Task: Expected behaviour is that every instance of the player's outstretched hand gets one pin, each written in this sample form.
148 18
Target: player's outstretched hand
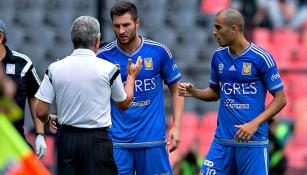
185 89
134 69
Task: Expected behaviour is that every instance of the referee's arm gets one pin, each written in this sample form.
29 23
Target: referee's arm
42 109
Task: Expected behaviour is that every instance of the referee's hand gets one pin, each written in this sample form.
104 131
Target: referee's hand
52 126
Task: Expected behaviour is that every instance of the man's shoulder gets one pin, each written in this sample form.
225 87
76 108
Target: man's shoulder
152 43
17 56
106 48
157 46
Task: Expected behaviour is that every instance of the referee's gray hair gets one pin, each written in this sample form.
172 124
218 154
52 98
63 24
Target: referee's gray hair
84 31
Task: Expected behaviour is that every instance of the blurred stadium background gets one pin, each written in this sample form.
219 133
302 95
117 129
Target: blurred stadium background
41 30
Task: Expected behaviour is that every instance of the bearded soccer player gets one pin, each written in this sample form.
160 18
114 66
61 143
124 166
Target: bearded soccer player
138 134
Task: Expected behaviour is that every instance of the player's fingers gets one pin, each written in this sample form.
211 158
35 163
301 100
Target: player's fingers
238 135
248 138
139 61
238 126
172 149
129 62
242 136
189 85
181 85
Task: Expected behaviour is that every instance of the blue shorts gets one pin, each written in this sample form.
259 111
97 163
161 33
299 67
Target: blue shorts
151 161
230 160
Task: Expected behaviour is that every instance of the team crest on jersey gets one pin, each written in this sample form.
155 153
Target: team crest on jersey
10 69
247 69
148 63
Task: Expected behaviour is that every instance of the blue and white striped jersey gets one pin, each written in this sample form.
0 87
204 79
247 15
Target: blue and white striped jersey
143 124
243 81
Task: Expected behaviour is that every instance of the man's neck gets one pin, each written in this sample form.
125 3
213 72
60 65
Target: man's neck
2 52
132 45
238 47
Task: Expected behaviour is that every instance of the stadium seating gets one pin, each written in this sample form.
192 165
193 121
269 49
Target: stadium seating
262 37
208 7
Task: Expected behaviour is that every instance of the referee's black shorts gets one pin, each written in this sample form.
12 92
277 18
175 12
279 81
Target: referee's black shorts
85 151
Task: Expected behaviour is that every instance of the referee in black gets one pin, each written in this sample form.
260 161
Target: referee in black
81 86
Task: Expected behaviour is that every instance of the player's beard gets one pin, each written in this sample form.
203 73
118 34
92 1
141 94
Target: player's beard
130 38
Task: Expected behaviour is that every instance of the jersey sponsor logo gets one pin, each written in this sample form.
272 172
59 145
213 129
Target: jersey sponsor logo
140 103
275 76
221 67
246 69
238 88
208 163
145 85
229 103
148 63
174 66
10 69
232 68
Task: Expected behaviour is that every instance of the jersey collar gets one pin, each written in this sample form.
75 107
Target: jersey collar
240 54
87 52
133 53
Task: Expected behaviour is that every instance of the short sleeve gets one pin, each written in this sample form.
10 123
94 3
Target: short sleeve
46 91
270 74
214 80
170 71
118 92
32 82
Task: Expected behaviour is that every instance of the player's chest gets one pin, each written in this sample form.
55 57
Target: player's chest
151 65
236 70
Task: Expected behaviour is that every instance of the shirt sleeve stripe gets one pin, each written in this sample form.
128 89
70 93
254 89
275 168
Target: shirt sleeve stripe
267 56
262 56
114 76
266 53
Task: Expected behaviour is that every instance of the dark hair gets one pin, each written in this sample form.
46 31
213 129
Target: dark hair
123 7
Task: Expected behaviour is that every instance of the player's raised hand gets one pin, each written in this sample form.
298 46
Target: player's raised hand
185 89
134 69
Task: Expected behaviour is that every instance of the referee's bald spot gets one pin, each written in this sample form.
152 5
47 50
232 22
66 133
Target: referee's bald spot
232 17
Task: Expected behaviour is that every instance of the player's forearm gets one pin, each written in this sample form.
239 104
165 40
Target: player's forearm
279 101
39 125
177 107
129 88
206 94
41 111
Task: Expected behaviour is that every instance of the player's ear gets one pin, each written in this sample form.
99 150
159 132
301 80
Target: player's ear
234 28
137 23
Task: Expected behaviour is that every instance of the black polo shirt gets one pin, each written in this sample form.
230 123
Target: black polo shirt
20 69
